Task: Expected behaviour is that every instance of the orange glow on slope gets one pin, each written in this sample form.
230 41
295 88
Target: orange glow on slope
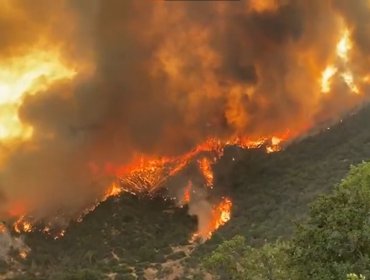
22 76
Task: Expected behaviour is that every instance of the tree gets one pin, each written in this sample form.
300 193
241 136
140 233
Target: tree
235 260
335 240
332 244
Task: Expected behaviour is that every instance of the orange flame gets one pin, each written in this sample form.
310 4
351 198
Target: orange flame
22 225
206 170
221 214
343 49
113 190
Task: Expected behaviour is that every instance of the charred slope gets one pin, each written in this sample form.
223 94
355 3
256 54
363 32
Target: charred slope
269 192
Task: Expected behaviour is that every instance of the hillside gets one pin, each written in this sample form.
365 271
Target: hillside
269 191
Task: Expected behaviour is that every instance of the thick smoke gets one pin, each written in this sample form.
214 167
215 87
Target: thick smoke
159 77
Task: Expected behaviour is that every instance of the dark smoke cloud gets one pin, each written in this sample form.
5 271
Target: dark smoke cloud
167 76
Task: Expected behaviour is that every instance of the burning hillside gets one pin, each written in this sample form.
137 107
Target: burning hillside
103 97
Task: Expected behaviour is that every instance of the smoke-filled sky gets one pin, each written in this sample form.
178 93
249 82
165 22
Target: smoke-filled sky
88 83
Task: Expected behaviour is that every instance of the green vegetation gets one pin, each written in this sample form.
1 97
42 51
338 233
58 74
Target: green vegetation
234 259
332 244
336 238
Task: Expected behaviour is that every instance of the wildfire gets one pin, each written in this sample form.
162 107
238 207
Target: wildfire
23 76
148 174
145 175
237 90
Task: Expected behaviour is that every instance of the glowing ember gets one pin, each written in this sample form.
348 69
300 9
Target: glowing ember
22 225
187 193
23 254
206 170
60 234
2 228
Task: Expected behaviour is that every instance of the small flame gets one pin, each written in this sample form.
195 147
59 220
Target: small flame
60 234
23 254
22 225
221 214
206 170
187 193
113 190
275 145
